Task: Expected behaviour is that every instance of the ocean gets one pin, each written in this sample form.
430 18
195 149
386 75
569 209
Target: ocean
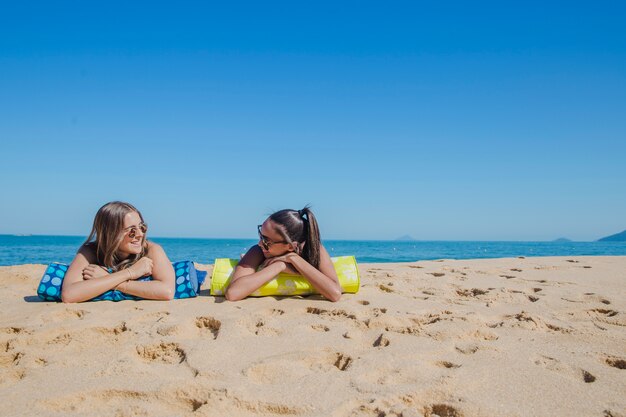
36 249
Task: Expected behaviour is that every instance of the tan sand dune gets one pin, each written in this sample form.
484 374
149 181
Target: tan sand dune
499 337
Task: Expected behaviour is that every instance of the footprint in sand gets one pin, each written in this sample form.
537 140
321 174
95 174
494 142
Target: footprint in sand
385 288
112 331
530 322
10 357
62 339
170 353
288 368
467 348
482 335
156 316
593 297
15 330
333 314
553 364
261 328
607 316
320 328
404 405
168 329
342 362
381 341
605 312
587 377
207 323
442 410
447 364
41 362
471 292
615 362
66 314
376 312
188 398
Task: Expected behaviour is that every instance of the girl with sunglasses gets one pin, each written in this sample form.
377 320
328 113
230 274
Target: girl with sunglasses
289 241
115 255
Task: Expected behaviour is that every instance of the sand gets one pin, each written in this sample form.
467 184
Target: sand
498 337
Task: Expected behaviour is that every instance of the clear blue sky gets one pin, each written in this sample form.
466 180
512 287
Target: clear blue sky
445 120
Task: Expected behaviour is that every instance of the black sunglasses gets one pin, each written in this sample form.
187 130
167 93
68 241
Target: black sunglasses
265 241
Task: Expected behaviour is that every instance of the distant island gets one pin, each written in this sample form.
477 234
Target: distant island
562 239
405 237
618 237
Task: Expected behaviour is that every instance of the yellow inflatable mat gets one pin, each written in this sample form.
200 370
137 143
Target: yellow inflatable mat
287 284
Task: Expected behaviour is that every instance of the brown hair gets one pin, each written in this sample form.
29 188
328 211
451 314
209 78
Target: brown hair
106 235
300 226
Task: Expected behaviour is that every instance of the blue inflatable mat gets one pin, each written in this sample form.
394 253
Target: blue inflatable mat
188 282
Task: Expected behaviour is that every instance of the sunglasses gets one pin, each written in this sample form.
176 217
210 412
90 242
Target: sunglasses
265 241
132 231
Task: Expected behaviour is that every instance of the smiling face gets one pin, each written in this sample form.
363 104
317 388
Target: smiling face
133 235
271 241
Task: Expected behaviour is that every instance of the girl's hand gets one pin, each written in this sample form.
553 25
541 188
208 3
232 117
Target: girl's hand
142 268
285 260
93 271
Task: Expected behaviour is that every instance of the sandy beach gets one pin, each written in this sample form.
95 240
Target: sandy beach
497 337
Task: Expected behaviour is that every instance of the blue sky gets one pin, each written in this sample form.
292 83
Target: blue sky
441 120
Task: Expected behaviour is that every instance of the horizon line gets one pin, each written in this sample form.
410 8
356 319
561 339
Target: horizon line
337 239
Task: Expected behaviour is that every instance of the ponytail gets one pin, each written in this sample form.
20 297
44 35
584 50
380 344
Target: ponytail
311 250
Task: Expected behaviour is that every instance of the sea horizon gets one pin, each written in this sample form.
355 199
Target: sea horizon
334 239
44 249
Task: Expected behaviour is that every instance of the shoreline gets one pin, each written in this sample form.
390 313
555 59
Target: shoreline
526 336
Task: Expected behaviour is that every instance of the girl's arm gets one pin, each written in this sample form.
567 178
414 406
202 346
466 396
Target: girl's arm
76 289
163 278
246 279
324 279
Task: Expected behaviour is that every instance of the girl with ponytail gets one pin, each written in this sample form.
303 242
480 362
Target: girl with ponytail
289 241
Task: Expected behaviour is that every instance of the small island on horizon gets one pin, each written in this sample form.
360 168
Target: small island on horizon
618 237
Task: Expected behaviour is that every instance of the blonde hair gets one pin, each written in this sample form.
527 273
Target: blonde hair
107 235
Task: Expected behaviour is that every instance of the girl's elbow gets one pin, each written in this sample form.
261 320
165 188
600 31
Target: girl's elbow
231 295
334 295
68 298
168 294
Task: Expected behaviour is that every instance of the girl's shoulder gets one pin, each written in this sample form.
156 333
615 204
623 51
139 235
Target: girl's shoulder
153 246
88 250
153 249
253 258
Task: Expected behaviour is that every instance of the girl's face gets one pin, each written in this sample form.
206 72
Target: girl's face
134 234
271 242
